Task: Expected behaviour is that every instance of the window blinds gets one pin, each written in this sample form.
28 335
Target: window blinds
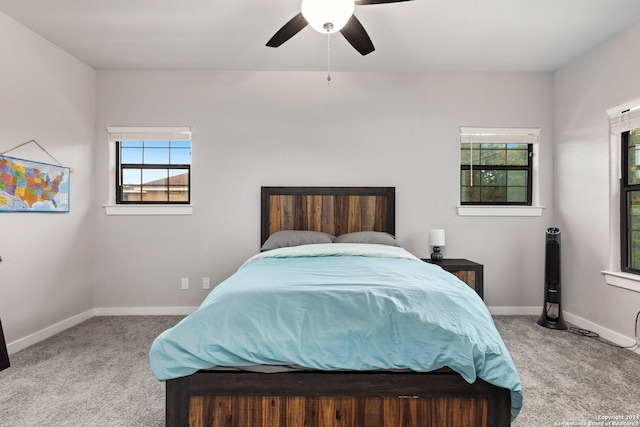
624 117
117 133
469 135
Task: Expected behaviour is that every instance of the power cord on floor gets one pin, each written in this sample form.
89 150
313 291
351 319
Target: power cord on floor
590 334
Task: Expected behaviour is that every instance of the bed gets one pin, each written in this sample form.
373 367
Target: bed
336 333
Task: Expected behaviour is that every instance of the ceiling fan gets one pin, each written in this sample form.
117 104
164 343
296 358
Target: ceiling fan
330 16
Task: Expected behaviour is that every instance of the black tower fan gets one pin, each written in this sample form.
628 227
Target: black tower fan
552 310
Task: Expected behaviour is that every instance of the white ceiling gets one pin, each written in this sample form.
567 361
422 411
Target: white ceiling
420 35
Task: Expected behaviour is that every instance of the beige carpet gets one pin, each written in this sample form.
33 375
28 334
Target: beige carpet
97 374
568 378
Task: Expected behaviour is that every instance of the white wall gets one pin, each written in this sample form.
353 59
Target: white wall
584 89
288 128
279 128
46 95
284 128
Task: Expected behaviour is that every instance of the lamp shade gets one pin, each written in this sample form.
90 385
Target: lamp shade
327 16
436 237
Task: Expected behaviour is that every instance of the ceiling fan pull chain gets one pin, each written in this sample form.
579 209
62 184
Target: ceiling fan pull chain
328 59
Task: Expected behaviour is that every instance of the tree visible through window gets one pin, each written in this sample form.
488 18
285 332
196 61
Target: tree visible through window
153 172
495 173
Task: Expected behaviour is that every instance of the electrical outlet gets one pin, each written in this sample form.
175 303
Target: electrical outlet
185 283
206 283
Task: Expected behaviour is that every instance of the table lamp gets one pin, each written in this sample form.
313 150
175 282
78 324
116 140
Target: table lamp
436 239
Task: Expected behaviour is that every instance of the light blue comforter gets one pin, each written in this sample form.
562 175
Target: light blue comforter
340 306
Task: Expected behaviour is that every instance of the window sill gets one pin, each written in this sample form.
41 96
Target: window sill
623 280
500 210
148 209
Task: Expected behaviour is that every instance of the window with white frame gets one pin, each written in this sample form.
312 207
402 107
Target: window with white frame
625 130
152 165
496 166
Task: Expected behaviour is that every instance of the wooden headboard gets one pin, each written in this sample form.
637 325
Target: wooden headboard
334 210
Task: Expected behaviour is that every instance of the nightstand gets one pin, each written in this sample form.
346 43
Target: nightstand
469 272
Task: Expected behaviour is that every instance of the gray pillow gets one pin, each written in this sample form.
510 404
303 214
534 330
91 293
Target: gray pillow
286 238
372 237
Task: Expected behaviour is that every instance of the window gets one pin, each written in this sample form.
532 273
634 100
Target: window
624 227
152 166
630 201
153 171
496 166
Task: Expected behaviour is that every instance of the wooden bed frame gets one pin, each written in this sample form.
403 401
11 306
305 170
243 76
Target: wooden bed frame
339 398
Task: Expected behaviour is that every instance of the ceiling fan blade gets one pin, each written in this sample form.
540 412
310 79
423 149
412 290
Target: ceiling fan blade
365 2
355 34
288 30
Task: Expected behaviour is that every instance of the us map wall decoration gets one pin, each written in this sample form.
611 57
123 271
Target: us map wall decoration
29 186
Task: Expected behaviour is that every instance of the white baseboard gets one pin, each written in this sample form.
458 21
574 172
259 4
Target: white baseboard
605 333
144 311
515 311
50 331
47 332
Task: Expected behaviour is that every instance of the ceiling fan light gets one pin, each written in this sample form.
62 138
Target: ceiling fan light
327 16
